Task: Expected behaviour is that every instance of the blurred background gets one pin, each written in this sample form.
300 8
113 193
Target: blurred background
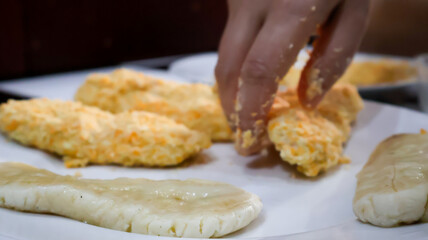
45 36
48 36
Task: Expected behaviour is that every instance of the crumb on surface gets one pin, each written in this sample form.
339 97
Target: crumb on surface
238 106
315 84
313 140
338 49
247 139
193 104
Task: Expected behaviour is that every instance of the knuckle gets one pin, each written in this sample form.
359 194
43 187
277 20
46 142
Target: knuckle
254 70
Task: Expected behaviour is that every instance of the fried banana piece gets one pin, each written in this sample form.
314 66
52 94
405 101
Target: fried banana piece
85 135
195 105
174 208
313 140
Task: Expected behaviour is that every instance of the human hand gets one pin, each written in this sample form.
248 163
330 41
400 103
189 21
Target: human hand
260 43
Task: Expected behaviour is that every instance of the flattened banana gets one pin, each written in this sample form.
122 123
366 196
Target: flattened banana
84 134
392 187
190 208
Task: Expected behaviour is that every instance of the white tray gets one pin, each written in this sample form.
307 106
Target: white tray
64 85
294 207
200 68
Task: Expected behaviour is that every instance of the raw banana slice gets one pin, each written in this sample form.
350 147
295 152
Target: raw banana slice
190 208
392 187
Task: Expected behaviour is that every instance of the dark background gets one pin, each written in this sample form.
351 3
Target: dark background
46 36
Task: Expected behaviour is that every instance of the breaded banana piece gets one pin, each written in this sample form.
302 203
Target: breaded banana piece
392 187
313 140
190 208
367 73
195 105
341 107
84 134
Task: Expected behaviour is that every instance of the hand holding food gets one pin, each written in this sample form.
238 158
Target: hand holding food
301 113
313 140
291 129
261 42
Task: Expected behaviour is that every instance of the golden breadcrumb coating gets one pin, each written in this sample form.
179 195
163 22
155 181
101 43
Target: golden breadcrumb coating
313 140
372 73
366 73
341 106
85 135
195 105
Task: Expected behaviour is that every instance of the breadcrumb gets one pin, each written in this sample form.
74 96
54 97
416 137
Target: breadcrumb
367 73
195 105
85 135
247 139
313 140
315 86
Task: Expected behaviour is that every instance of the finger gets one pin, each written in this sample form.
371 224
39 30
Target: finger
240 32
339 39
275 49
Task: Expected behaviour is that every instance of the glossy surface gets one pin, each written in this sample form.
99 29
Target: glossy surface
217 208
392 187
398 163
